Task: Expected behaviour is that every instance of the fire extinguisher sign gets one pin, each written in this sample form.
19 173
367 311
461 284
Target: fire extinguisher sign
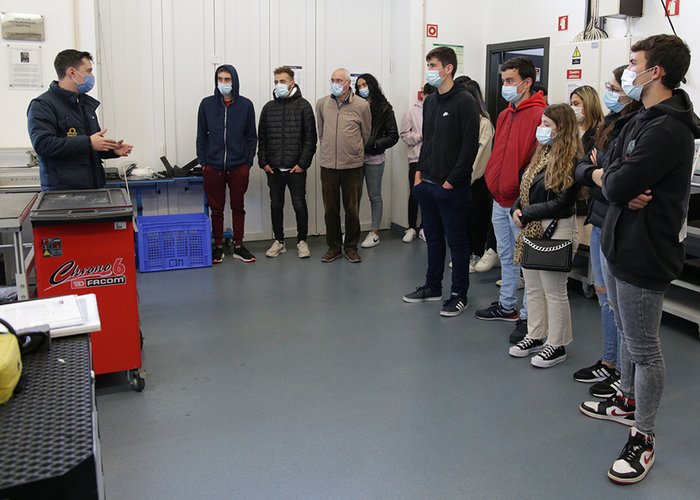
673 7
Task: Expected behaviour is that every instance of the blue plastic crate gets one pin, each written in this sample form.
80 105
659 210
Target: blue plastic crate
168 242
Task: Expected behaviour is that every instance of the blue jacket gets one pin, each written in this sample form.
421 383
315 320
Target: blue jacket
60 123
226 136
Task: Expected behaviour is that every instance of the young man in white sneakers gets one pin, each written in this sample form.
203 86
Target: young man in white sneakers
643 239
286 146
450 144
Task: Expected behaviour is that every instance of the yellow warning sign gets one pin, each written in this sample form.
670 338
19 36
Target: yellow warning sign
577 53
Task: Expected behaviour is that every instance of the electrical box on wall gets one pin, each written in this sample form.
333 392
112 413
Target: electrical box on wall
620 8
591 63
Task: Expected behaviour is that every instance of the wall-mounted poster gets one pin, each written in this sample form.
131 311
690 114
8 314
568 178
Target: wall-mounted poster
25 67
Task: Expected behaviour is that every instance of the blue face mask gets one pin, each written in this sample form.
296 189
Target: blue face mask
337 89
364 92
510 92
225 88
86 86
612 101
432 76
628 87
544 136
281 90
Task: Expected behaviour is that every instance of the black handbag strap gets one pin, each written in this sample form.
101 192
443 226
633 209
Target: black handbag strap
549 231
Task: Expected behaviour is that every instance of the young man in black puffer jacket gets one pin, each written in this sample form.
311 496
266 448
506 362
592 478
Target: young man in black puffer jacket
286 146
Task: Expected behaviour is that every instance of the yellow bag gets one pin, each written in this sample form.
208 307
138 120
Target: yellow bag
10 366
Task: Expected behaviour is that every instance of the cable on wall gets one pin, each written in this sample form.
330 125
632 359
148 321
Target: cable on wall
663 6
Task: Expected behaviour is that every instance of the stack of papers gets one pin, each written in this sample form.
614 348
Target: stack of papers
66 315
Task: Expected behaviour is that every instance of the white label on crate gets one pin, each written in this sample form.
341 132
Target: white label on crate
120 225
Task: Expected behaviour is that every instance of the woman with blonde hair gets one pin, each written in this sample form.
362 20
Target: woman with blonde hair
546 208
585 102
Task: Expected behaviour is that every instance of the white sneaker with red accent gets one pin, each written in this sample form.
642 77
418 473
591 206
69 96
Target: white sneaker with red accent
636 459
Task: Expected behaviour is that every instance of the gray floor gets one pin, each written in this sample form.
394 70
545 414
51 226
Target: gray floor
290 378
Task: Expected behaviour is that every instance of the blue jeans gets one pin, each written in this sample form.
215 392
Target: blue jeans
373 178
642 369
506 231
611 339
444 213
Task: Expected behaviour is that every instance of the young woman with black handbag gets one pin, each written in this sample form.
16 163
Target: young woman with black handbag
546 209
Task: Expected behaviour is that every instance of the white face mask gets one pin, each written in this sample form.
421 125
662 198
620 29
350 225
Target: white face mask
578 111
337 89
628 87
225 88
544 135
510 92
281 90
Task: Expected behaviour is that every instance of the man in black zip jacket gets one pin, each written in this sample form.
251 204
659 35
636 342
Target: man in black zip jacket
648 186
450 144
64 130
286 146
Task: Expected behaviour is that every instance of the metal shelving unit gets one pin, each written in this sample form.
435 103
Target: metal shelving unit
683 298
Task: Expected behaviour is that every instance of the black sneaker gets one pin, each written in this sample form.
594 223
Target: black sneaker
242 253
217 255
497 312
607 387
519 331
423 294
526 347
636 459
454 306
616 408
596 373
549 356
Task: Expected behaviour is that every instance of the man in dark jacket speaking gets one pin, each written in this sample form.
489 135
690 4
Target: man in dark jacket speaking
287 143
226 142
64 130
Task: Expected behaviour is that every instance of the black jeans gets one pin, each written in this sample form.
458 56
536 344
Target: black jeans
277 183
444 214
479 219
412 203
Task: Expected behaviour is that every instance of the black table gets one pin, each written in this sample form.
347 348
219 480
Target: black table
49 442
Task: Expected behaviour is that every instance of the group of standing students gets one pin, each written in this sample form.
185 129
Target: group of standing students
628 171
354 130
633 165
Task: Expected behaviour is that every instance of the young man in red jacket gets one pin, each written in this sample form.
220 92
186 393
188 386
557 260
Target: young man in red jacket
513 148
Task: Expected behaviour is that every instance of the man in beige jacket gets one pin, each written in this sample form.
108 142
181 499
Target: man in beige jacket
344 125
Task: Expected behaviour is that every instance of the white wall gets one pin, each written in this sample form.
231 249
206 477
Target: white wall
61 32
686 24
156 62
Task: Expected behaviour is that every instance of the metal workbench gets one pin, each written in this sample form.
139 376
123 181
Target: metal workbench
14 210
